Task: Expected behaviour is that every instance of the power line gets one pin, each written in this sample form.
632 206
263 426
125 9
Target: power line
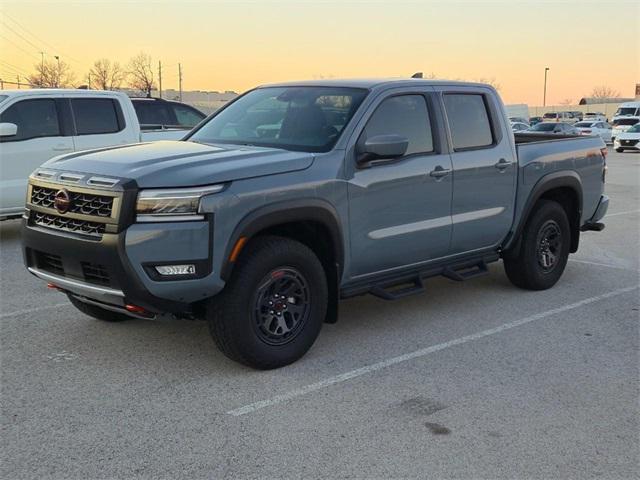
13 67
22 37
39 39
19 47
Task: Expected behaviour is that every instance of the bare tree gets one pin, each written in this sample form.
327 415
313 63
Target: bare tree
489 81
567 101
141 74
52 74
106 75
603 91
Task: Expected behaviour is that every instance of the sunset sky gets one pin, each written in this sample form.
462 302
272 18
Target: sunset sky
236 45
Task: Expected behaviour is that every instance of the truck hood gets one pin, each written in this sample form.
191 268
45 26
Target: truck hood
182 164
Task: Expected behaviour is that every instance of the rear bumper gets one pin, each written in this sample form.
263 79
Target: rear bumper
594 223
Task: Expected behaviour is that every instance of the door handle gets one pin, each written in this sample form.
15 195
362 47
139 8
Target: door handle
502 164
61 148
439 172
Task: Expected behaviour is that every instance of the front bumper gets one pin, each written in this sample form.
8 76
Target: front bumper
117 269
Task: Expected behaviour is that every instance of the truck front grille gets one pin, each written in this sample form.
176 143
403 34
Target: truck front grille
84 203
68 224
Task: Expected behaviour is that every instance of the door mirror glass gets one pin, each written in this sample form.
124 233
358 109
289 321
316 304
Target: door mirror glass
382 146
8 129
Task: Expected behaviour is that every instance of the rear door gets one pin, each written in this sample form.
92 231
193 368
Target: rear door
41 135
399 211
484 168
99 122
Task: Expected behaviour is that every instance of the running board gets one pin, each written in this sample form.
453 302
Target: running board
466 273
390 293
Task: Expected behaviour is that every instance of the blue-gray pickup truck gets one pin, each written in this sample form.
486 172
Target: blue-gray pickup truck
296 195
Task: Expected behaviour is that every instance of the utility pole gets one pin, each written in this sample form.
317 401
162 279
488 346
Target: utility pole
180 79
160 77
544 98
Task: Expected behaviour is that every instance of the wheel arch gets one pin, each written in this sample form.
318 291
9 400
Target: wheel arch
313 222
564 187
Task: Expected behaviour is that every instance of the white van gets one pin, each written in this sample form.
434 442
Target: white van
628 109
38 124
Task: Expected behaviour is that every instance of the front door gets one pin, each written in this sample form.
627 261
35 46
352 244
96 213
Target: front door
39 137
399 211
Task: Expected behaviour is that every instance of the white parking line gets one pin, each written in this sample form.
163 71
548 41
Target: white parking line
621 213
298 392
608 265
32 310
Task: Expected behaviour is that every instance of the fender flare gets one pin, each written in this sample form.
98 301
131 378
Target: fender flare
563 178
312 209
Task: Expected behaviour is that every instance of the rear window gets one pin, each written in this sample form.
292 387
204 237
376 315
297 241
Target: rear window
625 121
550 115
544 127
584 124
151 112
94 116
468 121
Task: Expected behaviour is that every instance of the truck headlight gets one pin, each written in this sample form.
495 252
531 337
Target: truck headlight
173 204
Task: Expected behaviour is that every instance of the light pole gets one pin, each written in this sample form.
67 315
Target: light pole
58 72
544 98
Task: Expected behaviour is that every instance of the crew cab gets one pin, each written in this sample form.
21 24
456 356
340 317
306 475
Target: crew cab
38 124
297 195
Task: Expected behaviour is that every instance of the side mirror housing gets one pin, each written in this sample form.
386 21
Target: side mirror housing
8 129
382 147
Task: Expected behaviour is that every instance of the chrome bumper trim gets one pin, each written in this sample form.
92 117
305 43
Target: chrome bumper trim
101 294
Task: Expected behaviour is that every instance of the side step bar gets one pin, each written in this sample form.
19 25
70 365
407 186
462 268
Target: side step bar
401 286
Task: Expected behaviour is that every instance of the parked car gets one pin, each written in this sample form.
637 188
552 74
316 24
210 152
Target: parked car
519 120
554 128
296 195
534 120
595 117
579 116
565 117
589 127
519 126
627 109
36 125
621 125
157 113
629 140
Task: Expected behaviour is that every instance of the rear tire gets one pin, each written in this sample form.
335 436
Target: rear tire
273 306
544 248
619 150
97 312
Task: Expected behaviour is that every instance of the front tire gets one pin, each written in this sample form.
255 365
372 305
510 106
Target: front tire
271 310
619 150
97 312
544 248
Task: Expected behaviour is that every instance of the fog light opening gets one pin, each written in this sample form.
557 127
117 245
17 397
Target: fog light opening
172 270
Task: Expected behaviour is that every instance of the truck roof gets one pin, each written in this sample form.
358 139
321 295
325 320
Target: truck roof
56 91
372 82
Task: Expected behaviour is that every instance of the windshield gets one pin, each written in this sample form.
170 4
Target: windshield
543 127
627 111
625 121
308 119
634 129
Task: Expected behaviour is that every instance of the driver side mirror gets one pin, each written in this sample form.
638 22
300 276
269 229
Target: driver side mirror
381 147
8 129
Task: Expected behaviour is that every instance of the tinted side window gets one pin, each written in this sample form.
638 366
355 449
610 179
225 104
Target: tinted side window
186 116
468 121
34 118
153 113
95 116
404 115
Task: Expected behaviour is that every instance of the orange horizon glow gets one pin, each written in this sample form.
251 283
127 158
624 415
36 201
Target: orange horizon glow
237 45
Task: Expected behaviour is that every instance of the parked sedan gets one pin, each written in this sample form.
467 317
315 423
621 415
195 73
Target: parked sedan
535 120
519 126
595 128
629 140
518 120
554 127
621 125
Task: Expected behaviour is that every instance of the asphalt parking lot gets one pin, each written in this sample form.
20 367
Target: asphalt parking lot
469 380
